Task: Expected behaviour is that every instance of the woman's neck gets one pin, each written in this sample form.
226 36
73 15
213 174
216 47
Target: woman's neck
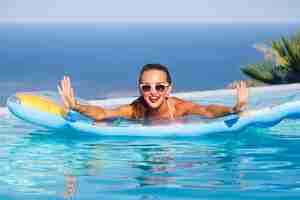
160 112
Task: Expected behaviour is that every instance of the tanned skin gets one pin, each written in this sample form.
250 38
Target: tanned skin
151 104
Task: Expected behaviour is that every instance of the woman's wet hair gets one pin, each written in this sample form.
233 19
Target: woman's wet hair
156 67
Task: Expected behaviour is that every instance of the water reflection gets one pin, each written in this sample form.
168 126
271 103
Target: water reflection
70 187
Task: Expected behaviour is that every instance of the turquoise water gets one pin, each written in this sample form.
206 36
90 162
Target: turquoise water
254 164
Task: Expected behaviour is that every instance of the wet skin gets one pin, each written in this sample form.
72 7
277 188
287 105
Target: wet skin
152 104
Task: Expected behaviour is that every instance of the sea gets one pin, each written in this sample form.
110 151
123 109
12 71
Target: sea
104 59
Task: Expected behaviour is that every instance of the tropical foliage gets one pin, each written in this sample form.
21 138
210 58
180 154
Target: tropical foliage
281 63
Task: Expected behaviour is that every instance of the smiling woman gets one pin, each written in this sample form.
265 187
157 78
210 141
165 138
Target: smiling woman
154 102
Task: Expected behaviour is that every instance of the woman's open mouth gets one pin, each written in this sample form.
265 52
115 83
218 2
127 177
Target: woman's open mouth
154 99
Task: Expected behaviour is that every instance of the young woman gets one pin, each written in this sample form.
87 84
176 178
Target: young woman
155 102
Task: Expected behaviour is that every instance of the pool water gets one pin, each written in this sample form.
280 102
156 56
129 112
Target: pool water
253 164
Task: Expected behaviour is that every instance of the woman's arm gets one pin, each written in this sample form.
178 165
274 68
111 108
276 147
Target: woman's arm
219 110
97 113
210 111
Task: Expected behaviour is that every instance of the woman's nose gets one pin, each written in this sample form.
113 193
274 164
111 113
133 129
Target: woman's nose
153 90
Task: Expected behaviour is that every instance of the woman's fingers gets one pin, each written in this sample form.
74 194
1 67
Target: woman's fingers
62 86
68 86
72 94
245 92
67 92
238 90
242 93
65 86
70 89
72 98
63 98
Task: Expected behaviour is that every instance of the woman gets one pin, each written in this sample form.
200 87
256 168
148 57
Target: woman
154 103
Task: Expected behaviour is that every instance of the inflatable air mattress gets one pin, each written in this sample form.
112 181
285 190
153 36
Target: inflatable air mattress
266 109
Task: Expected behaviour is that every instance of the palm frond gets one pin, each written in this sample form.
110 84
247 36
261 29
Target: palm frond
263 71
286 69
293 54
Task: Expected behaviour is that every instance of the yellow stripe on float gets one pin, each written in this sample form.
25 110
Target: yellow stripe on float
41 103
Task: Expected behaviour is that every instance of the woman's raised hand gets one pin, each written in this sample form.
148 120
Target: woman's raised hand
67 93
242 95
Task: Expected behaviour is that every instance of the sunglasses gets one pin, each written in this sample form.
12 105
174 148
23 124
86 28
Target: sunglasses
159 87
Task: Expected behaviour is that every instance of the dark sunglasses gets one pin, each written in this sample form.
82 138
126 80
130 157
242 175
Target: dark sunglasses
159 87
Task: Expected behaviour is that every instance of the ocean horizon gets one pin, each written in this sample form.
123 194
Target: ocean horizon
104 60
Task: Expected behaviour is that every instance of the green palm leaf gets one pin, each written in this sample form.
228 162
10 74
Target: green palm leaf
262 71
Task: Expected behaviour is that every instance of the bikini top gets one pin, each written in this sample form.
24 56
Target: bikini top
140 109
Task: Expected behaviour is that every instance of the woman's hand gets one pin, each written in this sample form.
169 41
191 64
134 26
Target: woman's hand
242 96
67 93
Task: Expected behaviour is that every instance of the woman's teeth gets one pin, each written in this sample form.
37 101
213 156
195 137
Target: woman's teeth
153 99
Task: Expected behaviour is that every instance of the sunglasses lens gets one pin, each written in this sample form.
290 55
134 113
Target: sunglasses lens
160 88
146 88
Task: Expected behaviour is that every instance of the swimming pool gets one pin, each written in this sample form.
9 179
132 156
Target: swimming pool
253 164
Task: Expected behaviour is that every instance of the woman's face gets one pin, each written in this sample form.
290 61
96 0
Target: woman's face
154 87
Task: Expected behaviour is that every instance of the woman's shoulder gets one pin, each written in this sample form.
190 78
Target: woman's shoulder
176 100
138 107
178 104
181 106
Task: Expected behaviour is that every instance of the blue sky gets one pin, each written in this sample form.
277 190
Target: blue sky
150 10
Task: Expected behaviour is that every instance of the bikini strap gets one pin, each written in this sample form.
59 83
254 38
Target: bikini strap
171 110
